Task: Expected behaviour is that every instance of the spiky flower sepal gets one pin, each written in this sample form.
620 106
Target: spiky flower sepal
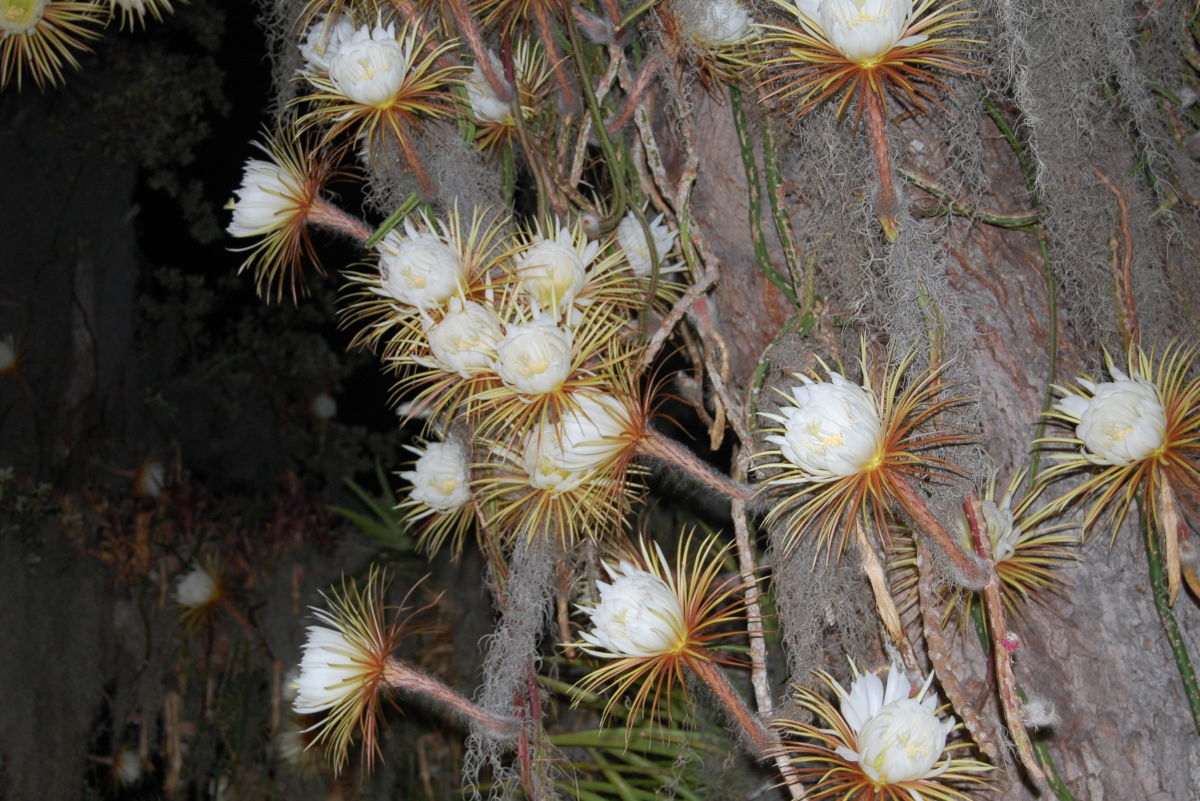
1138 434
854 461
670 620
828 755
39 38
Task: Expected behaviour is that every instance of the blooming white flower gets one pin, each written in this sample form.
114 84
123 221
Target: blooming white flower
862 30
717 23
419 269
638 616
561 456
197 589
1122 423
552 271
268 196
440 477
534 358
486 107
632 240
465 339
899 738
20 17
322 40
370 67
323 406
833 430
331 671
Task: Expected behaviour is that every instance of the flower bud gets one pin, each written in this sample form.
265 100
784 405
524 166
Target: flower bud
197 589
486 107
322 40
716 23
632 239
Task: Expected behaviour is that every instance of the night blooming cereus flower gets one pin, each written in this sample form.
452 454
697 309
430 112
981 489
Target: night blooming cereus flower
440 478
418 269
370 66
534 358
881 742
322 40
135 11
37 38
465 339
198 592
716 23
849 46
346 667
551 272
653 620
1139 433
851 451
591 436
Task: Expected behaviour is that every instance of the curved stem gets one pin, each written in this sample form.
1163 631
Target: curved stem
971 574
670 452
760 739
402 677
328 215
886 206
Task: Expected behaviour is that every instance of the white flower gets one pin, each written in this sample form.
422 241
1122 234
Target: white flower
150 479
370 67
322 41
440 477
717 23
268 196
552 271
323 406
1122 423
899 738
127 767
833 430
638 616
534 358
197 589
418 270
862 30
331 671
465 339
632 240
486 107
20 17
561 456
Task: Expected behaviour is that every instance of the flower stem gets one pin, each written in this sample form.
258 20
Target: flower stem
670 452
971 575
402 677
759 737
886 206
1162 603
328 215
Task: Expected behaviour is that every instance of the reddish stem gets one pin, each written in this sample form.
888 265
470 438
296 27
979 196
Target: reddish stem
886 205
671 452
762 741
971 575
327 215
402 677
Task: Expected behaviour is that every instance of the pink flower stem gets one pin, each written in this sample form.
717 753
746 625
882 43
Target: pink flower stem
402 677
668 451
886 206
330 216
762 741
971 574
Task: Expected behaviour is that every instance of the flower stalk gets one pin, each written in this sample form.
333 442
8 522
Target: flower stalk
400 676
670 452
886 204
970 573
760 739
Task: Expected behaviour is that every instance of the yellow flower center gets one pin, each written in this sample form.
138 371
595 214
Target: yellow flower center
446 486
20 16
